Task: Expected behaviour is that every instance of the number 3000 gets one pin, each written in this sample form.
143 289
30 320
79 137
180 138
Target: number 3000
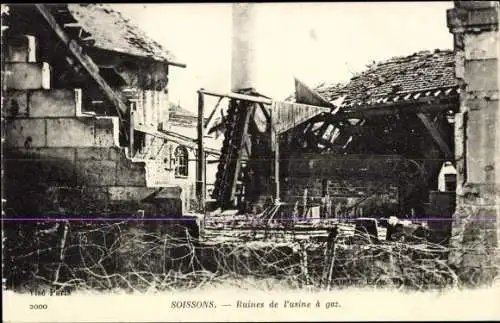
38 306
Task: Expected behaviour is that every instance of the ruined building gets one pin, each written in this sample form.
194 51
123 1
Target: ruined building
86 123
380 146
372 147
376 150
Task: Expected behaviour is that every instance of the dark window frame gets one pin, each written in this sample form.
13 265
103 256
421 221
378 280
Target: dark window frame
181 162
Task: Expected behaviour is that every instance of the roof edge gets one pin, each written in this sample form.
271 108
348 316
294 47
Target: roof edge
152 58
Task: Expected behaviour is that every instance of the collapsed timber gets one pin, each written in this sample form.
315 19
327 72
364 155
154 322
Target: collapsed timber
125 256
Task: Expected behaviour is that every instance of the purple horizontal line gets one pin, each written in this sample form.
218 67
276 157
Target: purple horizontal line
160 218
97 219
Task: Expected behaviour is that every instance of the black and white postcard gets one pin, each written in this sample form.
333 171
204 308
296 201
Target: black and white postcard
297 161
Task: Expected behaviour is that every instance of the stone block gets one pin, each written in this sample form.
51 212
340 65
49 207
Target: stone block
459 64
53 103
67 154
131 174
472 104
107 131
80 202
58 170
456 18
159 173
127 193
96 193
15 104
20 48
173 192
484 45
25 133
36 173
39 166
486 16
27 76
480 145
481 75
92 153
116 153
96 173
71 132
468 4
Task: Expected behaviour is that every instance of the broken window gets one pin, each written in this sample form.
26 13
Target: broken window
181 161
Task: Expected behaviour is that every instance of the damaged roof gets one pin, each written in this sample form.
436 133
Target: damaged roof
405 78
111 30
178 111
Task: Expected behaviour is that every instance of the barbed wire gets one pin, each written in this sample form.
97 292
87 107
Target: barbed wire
124 256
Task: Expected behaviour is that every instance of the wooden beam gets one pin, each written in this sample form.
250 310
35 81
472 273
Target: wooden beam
275 143
311 140
247 150
238 96
173 137
306 95
370 112
213 161
277 167
436 135
182 65
211 114
72 25
321 131
131 133
265 112
84 60
200 174
293 114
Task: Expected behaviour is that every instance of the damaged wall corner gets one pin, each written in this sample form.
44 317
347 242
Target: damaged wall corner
475 238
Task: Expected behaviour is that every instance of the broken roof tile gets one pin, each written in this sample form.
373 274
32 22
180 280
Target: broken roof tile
112 31
397 77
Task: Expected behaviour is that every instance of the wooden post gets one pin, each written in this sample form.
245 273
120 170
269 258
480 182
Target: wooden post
205 178
275 145
131 132
304 203
277 166
200 180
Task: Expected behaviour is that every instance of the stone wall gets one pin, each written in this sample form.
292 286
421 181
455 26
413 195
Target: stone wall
475 238
58 160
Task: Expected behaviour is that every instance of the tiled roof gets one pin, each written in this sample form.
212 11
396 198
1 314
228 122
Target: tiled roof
408 78
178 111
110 30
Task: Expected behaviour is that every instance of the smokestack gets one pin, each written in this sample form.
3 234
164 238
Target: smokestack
243 47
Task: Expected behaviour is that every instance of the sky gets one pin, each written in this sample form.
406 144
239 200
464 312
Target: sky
315 42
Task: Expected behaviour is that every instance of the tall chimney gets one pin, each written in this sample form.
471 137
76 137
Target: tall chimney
243 47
